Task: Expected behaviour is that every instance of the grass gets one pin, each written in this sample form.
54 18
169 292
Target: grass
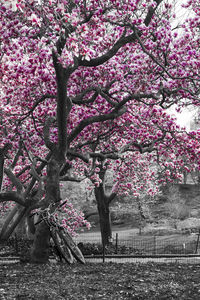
100 281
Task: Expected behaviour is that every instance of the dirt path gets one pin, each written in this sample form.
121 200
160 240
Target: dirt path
136 260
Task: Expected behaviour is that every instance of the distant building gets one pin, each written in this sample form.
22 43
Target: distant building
195 121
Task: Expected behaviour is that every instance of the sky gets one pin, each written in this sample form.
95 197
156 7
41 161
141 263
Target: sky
185 117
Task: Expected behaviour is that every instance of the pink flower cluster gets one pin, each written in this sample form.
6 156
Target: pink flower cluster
70 218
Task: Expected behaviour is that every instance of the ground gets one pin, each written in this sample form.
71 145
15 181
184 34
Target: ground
99 281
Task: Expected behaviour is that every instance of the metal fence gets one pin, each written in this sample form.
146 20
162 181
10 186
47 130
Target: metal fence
141 248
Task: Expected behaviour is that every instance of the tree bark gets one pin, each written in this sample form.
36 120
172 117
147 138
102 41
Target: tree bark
104 215
8 220
40 249
14 222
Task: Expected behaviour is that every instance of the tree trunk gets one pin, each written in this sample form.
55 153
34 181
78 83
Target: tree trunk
40 250
13 222
8 220
41 243
104 215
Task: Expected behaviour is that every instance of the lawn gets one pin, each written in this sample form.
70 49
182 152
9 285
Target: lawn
100 281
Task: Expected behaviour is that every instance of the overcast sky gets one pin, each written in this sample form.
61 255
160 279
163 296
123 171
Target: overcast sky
185 117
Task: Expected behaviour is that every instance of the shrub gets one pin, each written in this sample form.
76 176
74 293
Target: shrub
97 249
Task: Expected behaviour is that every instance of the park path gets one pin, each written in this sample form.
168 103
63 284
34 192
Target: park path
134 260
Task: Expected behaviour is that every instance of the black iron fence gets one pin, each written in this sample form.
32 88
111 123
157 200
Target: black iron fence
135 247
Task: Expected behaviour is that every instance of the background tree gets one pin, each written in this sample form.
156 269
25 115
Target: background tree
146 151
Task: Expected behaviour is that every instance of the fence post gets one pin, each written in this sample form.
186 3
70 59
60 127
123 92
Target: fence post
154 245
197 244
184 248
16 243
116 243
103 251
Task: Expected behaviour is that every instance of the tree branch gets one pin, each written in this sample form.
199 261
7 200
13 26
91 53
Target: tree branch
42 99
12 196
79 155
3 152
143 147
18 154
123 40
79 98
39 169
73 179
104 156
100 118
16 182
111 197
151 12
46 132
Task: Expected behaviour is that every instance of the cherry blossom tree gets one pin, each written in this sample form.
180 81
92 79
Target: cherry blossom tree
68 70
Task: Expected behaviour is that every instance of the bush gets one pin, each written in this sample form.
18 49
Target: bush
97 249
90 248
15 246
171 249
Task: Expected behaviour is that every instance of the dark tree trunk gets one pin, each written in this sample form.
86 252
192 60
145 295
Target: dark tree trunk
41 244
104 215
40 250
12 222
